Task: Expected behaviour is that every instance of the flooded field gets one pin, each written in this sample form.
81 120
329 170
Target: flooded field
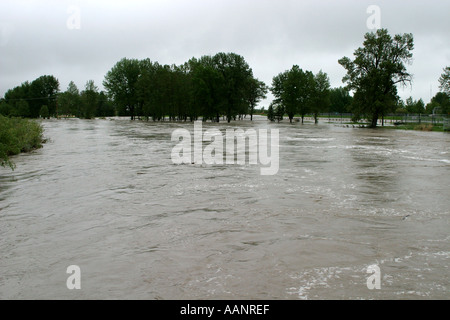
104 195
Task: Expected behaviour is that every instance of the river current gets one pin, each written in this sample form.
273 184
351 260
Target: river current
106 196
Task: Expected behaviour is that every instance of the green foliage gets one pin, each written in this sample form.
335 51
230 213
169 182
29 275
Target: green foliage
301 92
121 84
444 81
5 109
271 113
320 94
89 100
255 91
376 70
439 104
44 112
27 99
211 87
69 102
414 106
22 109
16 136
340 100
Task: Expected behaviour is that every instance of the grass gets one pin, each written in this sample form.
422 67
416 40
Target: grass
417 127
16 136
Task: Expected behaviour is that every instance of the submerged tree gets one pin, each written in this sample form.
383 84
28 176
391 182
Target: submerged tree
340 100
293 89
271 113
320 97
256 91
120 83
375 72
69 102
44 112
89 100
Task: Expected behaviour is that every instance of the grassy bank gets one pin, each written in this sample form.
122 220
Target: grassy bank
417 127
16 136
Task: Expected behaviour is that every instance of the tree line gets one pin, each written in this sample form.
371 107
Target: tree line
223 85
209 87
42 98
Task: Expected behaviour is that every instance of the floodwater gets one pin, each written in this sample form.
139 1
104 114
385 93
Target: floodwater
104 195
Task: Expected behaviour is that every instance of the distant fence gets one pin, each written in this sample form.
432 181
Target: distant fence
446 124
434 119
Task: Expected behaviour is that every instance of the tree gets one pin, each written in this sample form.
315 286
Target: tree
43 91
256 91
320 97
414 106
89 98
120 83
420 106
340 100
279 112
208 88
44 112
5 108
105 108
293 90
236 73
444 81
375 72
440 103
69 102
271 113
22 109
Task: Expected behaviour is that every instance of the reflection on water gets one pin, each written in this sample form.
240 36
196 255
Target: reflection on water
104 195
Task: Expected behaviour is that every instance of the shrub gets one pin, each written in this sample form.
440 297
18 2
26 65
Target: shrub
16 136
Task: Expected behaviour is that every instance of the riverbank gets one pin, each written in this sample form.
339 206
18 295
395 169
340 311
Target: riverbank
16 136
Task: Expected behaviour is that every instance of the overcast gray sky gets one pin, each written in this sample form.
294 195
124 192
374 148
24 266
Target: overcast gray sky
82 40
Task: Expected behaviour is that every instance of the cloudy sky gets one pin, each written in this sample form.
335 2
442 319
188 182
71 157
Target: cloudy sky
81 40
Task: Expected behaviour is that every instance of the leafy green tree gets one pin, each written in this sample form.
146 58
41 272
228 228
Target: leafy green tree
256 91
414 106
43 91
293 90
375 72
121 84
5 108
44 113
208 88
420 106
320 97
89 98
69 102
340 100
271 113
440 103
280 110
444 81
105 107
236 73
400 107
22 109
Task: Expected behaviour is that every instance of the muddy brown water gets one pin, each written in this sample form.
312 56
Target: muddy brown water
104 195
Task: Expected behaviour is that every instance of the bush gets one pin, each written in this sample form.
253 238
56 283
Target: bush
44 113
424 127
16 136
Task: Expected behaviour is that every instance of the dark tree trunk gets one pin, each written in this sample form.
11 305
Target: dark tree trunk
374 121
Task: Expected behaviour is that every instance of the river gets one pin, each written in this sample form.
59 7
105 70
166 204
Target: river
105 195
